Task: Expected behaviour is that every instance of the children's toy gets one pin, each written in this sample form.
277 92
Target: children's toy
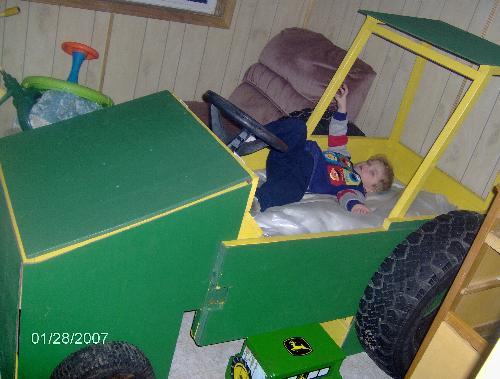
58 99
23 99
12 11
79 52
116 222
293 353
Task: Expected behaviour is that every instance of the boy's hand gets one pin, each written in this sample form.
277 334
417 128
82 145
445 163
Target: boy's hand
341 97
360 209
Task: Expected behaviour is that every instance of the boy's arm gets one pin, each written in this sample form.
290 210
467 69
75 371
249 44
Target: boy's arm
349 198
361 209
337 133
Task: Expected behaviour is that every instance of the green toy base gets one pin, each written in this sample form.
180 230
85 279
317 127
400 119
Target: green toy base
300 352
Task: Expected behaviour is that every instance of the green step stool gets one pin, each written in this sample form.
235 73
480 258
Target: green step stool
304 352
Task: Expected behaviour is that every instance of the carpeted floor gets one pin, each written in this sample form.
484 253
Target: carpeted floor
209 362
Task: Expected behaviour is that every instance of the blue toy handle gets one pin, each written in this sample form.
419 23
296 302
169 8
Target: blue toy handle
78 58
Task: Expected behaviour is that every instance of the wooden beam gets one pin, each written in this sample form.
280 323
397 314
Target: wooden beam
467 333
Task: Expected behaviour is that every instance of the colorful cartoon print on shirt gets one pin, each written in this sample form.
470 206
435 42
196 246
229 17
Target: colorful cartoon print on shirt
351 178
337 159
340 170
340 176
336 175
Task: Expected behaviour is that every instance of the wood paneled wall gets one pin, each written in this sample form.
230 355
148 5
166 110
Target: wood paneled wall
141 56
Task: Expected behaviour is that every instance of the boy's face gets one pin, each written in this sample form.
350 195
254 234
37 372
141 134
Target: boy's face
371 173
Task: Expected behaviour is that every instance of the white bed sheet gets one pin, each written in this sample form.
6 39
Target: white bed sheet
322 213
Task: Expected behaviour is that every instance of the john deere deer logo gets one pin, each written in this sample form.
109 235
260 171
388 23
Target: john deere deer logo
297 346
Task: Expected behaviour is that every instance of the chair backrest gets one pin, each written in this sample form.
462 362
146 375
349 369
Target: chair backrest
292 72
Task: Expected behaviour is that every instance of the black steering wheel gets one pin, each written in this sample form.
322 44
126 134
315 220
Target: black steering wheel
249 126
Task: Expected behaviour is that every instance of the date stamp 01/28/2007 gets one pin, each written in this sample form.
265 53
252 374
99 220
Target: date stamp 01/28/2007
68 338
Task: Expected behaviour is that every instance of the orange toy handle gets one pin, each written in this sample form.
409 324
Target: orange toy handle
70 47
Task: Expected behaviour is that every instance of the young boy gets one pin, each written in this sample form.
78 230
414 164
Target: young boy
305 168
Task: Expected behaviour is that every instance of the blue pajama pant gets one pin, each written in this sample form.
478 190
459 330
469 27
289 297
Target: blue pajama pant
288 173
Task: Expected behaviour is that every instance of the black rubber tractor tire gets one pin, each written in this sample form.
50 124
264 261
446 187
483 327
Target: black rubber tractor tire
113 360
404 295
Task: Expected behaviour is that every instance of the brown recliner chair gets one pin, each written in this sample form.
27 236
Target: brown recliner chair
292 72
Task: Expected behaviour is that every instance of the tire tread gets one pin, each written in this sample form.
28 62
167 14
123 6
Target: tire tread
102 361
418 269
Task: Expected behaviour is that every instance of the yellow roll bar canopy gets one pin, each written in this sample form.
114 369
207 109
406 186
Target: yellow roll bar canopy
431 33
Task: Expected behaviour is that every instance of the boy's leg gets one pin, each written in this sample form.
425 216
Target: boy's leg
291 131
287 173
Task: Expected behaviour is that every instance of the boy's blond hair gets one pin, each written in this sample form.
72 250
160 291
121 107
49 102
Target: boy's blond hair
387 175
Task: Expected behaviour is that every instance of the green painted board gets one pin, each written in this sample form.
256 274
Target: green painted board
444 36
287 352
134 286
10 266
90 174
270 286
351 343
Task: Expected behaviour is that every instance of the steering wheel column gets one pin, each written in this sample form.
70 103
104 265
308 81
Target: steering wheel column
249 126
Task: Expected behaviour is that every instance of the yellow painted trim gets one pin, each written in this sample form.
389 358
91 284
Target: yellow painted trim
349 59
257 160
338 329
425 51
296 237
407 100
248 226
388 221
440 144
66 249
361 148
233 155
495 71
54 253
438 181
12 216
407 219
406 163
